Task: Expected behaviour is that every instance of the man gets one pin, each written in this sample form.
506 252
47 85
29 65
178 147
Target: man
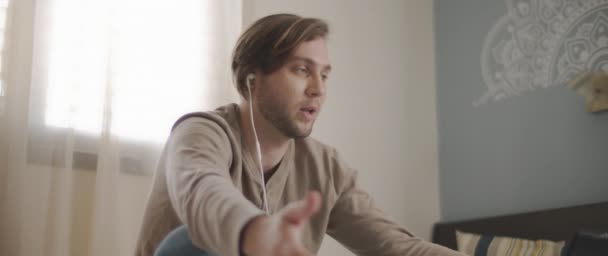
209 192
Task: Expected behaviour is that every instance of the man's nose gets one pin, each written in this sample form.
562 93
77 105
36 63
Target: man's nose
316 86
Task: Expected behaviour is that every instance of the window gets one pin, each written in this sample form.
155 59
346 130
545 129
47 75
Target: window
140 65
131 67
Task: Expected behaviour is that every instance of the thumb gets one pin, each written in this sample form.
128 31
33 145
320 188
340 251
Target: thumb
303 209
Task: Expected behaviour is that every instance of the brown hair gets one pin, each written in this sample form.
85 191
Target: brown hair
267 43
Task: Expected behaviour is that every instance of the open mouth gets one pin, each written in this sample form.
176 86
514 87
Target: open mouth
310 110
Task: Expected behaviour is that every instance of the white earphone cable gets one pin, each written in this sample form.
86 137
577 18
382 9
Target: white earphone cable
258 148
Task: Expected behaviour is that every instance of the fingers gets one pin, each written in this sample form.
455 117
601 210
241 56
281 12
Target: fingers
313 202
295 214
299 211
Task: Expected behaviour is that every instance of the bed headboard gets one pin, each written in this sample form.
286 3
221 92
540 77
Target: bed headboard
555 224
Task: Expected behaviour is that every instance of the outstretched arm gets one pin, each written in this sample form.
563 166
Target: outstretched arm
359 225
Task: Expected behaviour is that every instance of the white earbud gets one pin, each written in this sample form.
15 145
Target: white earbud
257 143
249 78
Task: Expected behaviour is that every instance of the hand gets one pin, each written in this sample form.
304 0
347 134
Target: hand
281 233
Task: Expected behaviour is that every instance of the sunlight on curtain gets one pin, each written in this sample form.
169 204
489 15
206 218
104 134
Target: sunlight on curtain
3 14
150 53
90 89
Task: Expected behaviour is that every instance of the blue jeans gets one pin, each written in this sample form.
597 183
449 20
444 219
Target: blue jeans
178 243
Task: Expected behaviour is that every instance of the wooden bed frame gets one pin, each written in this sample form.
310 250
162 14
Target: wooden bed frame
555 224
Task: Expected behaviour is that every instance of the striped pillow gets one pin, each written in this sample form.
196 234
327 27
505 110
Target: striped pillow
483 245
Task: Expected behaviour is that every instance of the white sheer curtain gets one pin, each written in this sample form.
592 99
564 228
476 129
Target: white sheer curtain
90 89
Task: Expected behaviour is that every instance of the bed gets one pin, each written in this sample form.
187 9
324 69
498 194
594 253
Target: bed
555 224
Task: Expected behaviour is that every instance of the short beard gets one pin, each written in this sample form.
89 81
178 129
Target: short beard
278 116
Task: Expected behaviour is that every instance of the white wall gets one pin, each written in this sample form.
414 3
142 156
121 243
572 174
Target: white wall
380 112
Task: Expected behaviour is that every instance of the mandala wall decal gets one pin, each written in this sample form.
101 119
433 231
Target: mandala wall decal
543 43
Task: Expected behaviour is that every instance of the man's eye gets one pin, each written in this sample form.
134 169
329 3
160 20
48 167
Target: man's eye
324 77
302 70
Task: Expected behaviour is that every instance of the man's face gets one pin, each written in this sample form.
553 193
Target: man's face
291 97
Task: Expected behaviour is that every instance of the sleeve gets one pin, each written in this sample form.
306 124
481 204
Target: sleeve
200 189
365 230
